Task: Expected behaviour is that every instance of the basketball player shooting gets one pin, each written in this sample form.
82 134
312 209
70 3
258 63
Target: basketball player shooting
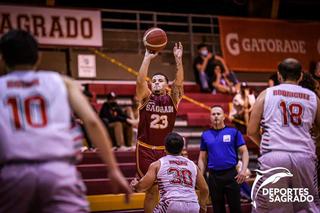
158 109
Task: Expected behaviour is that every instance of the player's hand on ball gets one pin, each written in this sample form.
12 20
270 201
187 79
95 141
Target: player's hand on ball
178 51
150 54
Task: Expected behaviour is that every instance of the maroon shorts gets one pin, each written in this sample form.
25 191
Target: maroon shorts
147 154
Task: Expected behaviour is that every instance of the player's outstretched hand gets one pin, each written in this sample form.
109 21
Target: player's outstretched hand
150 55
178 51
119 183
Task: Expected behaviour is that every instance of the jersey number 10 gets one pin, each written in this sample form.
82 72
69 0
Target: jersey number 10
31 110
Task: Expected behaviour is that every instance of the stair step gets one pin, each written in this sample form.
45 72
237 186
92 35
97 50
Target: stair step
94 171
207 97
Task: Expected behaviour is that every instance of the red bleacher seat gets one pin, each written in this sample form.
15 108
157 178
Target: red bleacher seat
198 118
97 106
123 89
91 171
205 97
129 89
100 186
122 157
187 107
98 89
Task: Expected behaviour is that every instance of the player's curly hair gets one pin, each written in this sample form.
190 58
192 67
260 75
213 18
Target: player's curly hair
18 47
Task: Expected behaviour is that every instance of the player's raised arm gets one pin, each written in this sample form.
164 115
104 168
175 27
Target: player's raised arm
97 133
177 87
142 90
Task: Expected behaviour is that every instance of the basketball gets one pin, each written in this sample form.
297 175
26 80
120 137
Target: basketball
155 39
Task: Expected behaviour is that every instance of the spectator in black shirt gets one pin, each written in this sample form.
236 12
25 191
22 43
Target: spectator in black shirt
115 120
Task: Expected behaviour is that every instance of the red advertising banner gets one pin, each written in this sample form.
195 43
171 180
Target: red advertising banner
260 44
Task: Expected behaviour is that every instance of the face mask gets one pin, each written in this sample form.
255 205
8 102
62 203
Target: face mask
204 52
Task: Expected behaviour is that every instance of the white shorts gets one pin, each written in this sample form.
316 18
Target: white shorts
177 207
303 171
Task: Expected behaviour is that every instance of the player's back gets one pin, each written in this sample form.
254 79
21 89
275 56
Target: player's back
35 117
177 178
157 117
288 115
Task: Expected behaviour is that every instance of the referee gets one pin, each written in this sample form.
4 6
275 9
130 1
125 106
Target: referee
219 152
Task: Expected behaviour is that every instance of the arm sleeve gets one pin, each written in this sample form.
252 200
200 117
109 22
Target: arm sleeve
203 145
239 139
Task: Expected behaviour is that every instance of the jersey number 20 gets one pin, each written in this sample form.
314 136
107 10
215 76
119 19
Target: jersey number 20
31 110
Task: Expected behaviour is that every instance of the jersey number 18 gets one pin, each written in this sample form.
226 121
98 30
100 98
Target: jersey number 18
291 112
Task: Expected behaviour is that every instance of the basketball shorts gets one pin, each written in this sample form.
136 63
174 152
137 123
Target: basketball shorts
42 187
177 207
147 154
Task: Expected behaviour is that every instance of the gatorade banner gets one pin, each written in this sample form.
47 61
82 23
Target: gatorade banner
260 44
54 26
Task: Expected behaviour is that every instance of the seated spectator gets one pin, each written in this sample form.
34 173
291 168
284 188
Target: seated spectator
203 66
273 80
225 81
115 120
241 107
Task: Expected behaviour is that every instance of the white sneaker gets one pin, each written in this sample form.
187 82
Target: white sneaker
122 148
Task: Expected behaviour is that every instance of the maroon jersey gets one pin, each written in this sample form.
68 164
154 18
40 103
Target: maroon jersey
157 118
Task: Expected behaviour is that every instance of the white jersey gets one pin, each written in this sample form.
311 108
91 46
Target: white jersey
35 117
176 179
288 115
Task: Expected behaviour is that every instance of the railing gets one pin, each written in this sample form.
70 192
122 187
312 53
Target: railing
194 29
